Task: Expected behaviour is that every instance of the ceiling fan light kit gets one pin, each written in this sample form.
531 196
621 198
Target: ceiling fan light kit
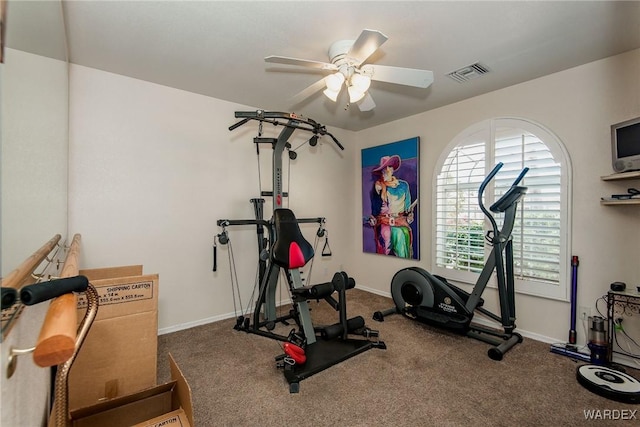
334 81
331 94
347 66
355 95
356 82
361 82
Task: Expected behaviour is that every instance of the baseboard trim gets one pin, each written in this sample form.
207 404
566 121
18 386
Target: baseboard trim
189 325
374 291
206 321
478 319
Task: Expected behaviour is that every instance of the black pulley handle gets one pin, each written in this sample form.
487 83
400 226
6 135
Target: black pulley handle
39 292
223 238
215 255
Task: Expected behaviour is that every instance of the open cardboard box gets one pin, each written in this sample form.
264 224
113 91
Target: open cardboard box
163 405
120 354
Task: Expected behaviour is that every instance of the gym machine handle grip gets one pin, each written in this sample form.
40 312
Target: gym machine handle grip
336 141
486 182
489 177
215 257
39 292
519 178
237 125
262 114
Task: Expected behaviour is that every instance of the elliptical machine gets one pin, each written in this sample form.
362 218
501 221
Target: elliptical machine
431 299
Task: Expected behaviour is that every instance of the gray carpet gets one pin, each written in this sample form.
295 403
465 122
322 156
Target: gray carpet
425 377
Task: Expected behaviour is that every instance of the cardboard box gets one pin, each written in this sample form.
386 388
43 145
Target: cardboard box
162 405
119 355
112 272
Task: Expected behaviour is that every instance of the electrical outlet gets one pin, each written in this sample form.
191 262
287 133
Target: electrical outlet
584 313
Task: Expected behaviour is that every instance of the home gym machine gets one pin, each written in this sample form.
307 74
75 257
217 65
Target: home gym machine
431 299
308 349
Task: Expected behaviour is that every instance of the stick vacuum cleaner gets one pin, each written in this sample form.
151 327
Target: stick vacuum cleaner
570 348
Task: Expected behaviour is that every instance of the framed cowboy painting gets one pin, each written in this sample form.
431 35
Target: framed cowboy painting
390 211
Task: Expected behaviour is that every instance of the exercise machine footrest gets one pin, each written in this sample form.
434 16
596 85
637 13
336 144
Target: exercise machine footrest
324 354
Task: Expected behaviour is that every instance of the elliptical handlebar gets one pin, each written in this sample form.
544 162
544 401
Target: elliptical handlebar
507 199
520 177
294 121
488 179
486 182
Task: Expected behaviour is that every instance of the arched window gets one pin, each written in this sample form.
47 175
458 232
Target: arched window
542 231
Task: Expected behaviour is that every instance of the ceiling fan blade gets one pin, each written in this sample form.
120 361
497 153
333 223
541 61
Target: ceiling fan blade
368 42
398 75
300 62
366 103
307 92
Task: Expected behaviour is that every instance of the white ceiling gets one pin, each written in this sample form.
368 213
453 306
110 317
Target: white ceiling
217 48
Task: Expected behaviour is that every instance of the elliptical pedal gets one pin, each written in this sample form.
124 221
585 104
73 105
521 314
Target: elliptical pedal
453 321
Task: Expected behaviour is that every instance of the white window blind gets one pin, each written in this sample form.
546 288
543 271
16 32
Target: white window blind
536 235
459 230
540 233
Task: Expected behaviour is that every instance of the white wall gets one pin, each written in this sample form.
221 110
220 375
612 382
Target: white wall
34 208
578 105
153 168
34 155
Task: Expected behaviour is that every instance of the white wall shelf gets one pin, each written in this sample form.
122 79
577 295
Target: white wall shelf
620 177
620 202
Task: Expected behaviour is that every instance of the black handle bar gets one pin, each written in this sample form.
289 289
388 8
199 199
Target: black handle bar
487 180
336 141
519 178
39 292
293 121
262 114
493 173
511 196
240 123
495 170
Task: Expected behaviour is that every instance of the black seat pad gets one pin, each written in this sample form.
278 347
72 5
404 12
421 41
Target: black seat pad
291 249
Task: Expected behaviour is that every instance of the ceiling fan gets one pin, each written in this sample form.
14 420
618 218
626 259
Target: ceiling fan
348 67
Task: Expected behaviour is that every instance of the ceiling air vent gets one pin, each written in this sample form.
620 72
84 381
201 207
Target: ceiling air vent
469 72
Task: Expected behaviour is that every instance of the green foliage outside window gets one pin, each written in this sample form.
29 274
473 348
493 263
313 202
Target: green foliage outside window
464 247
